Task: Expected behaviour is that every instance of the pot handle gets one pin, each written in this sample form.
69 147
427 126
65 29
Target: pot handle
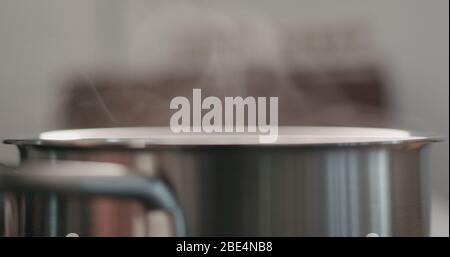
93 178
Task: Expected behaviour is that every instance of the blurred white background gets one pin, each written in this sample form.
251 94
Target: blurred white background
41 41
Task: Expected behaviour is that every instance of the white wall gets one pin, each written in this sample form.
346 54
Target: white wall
39 40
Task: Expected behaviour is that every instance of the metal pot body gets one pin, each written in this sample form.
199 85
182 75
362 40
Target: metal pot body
243 191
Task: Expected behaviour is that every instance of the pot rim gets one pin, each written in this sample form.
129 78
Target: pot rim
163 137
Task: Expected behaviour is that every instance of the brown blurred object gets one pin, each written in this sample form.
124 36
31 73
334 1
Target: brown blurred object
351 98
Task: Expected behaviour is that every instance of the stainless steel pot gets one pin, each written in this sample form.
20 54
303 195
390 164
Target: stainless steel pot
313 181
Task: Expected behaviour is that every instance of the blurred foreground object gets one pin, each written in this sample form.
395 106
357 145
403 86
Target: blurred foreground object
44 198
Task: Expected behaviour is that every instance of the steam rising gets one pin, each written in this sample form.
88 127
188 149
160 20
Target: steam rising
223 47
176 48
